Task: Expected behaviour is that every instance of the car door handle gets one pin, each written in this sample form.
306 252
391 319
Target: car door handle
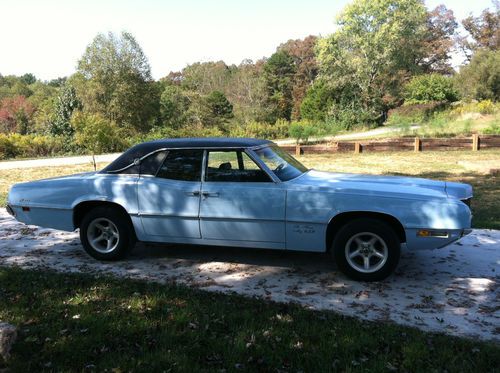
208 194
196 193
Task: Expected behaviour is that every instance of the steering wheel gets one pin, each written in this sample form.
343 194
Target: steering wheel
280 167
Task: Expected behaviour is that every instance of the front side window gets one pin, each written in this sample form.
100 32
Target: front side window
182 165
284 166
233 166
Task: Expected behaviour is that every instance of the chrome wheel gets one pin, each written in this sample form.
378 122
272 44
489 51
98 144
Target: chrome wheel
366 252
103 235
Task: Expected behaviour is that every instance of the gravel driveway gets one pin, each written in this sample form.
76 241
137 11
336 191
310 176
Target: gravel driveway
454 290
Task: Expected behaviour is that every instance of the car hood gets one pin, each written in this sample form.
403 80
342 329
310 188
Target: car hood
380 184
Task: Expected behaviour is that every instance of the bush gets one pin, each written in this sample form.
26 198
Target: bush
407 115
482 107
96 134
260 130
429 88
493 128
27 146
302 131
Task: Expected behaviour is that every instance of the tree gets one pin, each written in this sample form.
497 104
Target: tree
206 77
317 101
278 74
96 134
426 88
483 30
480 79
369 57
15 115
114 80
174 105
28 78
247 92
306 68
66 104
438 41
219 105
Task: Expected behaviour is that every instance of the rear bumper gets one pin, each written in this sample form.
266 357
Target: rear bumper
10 211
416 242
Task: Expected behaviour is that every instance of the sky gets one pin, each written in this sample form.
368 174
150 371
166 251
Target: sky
47 37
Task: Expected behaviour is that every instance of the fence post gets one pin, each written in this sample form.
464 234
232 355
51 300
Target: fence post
475 142
357 147
418 144
297 150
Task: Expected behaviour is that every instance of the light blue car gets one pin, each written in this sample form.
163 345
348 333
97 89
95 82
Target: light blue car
246 193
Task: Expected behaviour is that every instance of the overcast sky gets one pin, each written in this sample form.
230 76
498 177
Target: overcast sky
47 37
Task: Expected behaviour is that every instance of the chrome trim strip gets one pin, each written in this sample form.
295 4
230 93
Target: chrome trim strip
43 207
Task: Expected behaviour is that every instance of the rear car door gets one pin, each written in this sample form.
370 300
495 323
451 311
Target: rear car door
169 201
239 201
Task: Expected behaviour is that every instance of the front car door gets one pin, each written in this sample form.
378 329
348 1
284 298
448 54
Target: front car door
169 201
239 200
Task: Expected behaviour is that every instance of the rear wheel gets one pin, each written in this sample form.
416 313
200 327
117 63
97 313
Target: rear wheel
106 233
366 249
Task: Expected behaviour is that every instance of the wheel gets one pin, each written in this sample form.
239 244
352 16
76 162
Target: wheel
106 233
366 249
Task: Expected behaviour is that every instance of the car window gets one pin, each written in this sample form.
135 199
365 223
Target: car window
150 164
233 166
182 165
284 166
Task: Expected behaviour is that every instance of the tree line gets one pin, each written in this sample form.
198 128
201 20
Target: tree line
383 54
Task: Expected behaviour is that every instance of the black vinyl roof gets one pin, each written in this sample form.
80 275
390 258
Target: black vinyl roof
207 142
140 150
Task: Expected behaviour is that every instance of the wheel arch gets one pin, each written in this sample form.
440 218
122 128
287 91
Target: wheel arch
82 208
339 220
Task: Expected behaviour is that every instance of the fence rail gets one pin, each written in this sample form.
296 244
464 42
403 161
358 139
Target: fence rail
417 144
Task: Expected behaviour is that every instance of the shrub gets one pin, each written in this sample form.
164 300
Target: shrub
493 128
414 114
486 107
24 146
429 88
482 107
96 134
302 131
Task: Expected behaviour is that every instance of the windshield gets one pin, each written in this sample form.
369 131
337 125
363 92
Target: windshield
284 166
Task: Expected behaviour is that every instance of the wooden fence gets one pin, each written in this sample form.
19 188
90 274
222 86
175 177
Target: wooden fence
474 143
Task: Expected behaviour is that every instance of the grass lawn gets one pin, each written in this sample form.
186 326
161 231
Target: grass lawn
71 322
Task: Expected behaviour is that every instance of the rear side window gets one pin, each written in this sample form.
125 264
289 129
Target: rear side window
182 165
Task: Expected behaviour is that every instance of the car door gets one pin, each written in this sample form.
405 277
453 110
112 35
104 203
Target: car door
169 201
239 201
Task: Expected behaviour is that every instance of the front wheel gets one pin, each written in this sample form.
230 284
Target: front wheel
366 249
106 233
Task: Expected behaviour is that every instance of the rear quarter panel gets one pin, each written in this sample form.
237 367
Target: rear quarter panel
51 201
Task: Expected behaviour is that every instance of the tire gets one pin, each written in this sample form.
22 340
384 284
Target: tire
366 249
113 226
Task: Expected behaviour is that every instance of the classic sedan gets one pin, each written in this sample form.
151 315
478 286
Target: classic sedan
246 193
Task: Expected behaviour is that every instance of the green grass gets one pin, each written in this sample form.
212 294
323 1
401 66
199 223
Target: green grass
71 322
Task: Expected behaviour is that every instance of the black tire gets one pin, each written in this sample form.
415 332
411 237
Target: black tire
366 238
117 227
